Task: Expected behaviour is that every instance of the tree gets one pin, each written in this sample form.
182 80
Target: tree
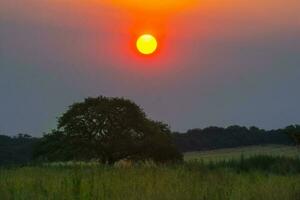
108 129
16 150
54 147
294 132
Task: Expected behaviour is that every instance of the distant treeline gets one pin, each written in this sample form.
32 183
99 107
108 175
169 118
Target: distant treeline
16 150
233 136
19 149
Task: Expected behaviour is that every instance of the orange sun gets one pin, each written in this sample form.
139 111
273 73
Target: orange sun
146 44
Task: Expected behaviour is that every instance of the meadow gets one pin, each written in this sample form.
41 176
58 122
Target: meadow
246 152
250 177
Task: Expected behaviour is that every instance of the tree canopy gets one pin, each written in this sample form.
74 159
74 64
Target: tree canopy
108 129
233 136
16 150
294 132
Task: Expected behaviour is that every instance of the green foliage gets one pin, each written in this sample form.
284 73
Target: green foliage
54 146
189 181
230 137
294 132
108 129
16 150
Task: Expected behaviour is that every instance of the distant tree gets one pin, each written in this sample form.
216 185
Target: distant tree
294 132
108 129
16 150
256 130
230 137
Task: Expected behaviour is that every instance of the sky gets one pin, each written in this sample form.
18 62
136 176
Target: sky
219 62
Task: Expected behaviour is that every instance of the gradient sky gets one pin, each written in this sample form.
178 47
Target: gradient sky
220 62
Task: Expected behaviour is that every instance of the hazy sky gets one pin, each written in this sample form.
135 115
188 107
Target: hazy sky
220 62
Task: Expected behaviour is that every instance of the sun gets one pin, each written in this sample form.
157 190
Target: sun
146 44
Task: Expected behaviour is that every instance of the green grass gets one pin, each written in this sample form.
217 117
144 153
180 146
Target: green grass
248 177
236 153
186 182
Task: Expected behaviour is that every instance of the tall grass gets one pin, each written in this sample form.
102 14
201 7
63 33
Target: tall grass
189 181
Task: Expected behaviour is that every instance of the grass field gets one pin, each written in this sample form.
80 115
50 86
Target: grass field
252 178
246 152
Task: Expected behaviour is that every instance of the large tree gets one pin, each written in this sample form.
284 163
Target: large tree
108 129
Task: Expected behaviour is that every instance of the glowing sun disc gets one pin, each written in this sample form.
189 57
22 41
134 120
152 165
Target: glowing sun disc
146 44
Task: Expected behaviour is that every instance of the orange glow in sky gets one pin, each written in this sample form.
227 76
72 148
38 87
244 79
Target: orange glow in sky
150 16
109 29
152 5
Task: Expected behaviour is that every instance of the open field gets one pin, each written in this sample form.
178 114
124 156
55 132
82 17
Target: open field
261 177
246 152
147 183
